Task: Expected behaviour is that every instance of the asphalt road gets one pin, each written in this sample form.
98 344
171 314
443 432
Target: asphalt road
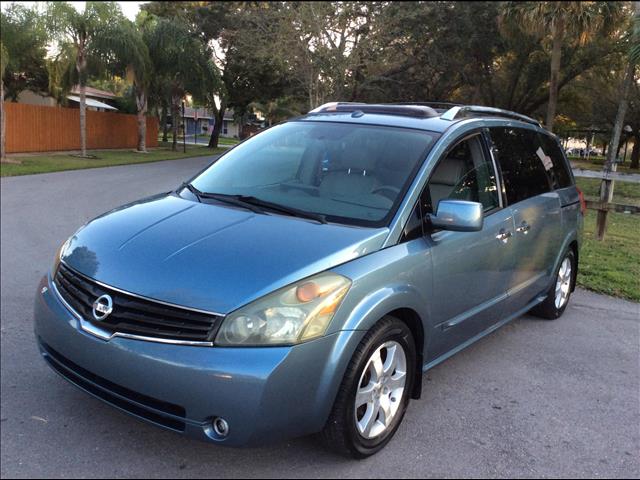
534 399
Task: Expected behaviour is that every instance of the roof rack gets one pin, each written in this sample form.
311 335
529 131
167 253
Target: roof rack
434 105
461 110
408 110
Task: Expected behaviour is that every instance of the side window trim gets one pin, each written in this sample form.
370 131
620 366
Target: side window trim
484 138
482 134
496 168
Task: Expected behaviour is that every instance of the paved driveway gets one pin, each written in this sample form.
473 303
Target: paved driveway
534 399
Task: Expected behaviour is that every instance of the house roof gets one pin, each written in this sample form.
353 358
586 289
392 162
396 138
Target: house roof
90 102
94 92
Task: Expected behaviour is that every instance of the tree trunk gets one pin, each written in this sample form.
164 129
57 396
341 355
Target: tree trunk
81 66
606 187
174 118
614 145
2 121
556 56
165 124
635 153
83 119
217 126
141 103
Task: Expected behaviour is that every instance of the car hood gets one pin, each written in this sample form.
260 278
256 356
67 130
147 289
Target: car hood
208 256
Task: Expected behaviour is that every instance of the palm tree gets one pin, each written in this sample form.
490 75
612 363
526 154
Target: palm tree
275 110
122 47
4 60
181 63
563 22
79 32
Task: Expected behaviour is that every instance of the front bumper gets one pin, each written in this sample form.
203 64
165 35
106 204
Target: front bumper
264 394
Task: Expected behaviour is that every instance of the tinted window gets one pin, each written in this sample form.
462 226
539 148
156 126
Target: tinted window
350 173
558 171
464 174
521 160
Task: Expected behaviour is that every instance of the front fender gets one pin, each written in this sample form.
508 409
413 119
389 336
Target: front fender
381 302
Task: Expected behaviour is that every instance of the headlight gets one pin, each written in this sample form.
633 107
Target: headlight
59 253
291 315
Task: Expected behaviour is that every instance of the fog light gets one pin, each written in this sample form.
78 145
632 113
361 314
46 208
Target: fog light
220 426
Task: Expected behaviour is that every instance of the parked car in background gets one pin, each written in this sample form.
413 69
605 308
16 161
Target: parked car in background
305 280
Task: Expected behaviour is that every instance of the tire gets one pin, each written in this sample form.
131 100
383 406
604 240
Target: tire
343 431
549 309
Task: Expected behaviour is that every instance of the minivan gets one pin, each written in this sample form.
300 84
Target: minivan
307 278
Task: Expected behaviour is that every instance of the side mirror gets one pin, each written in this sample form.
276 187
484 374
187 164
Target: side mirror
458 216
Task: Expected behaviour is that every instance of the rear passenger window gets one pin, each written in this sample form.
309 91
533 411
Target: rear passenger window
519 153
558 171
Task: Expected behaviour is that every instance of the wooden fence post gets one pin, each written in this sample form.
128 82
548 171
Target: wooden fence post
606 197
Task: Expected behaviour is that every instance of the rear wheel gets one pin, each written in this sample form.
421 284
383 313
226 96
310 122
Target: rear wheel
558 296
375 391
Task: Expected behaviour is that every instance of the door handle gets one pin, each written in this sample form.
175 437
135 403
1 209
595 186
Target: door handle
523 228
504 235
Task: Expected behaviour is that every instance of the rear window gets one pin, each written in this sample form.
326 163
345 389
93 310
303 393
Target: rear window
521 157
558 171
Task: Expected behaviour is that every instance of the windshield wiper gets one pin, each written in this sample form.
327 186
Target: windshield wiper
232 200
294 212
254 204
192 189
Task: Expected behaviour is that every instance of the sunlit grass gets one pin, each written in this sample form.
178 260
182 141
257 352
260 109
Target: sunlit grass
55 162
612 266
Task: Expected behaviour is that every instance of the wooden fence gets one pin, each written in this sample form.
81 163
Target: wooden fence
37 128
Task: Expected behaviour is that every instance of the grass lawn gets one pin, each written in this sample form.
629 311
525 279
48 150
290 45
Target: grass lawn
54 162
612 267
221 140
623 192
597 163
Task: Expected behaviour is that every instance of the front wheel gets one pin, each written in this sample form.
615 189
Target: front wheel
557 298
375 391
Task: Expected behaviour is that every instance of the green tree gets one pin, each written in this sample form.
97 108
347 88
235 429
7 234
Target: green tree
81 35
181 62
123 50
24 37
562 22
244 71
633 59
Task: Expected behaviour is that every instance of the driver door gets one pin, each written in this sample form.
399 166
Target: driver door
471 270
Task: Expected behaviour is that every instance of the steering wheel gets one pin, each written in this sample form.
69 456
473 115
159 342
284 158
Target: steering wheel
389 189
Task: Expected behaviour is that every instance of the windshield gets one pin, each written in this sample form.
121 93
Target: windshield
347 173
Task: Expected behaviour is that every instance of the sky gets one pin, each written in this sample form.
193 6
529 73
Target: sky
130 9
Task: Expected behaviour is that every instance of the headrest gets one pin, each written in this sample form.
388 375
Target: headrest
448 172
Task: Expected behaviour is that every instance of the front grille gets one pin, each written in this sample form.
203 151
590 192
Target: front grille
157 411
132 315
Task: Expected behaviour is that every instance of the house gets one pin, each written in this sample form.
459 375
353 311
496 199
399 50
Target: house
201 120
96 99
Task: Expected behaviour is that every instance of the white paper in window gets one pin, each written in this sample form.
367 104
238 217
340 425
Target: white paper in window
546 159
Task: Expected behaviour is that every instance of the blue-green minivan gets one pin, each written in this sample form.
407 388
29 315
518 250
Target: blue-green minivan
307 278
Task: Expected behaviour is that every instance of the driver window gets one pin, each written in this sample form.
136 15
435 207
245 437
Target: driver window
464 173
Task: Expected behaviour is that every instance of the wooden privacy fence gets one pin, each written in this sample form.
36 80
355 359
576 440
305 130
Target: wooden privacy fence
37 128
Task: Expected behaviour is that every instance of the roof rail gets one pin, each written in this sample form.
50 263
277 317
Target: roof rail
434 105
461 110
409 110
